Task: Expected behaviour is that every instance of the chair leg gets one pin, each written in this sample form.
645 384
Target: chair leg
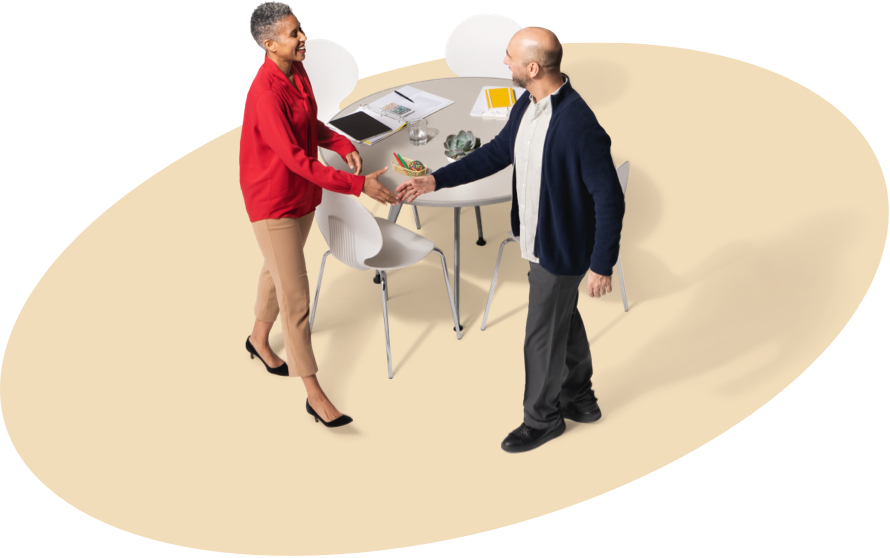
621 282
416 218
317 290
494 281
386 322
481 241
392 218
448 288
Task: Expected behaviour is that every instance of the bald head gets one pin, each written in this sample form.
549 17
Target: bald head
539 45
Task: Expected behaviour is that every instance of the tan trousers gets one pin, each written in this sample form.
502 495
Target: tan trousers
284 286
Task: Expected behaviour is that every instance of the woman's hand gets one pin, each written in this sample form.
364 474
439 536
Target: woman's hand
378 191
354 160
411 188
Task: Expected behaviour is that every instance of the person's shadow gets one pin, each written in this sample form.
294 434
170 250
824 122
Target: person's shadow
752 300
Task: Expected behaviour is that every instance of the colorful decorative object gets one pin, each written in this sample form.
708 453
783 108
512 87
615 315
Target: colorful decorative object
413 170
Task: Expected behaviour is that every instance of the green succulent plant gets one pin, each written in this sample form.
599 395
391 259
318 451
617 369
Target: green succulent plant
458 145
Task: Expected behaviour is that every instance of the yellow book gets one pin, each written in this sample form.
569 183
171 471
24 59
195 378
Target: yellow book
500 97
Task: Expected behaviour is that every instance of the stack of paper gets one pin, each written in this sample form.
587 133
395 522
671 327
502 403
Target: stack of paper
420 102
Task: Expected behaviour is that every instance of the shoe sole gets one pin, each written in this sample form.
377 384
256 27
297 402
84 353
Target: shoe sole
541 441
581 417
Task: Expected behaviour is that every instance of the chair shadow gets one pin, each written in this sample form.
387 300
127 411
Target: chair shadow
608 327
406 358
504 317
417 296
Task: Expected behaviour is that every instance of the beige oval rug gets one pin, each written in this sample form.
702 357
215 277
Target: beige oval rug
756 217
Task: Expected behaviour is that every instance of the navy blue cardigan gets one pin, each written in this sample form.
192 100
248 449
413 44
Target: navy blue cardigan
581 204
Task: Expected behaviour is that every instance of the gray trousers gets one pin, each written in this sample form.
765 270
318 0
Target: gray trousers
558 366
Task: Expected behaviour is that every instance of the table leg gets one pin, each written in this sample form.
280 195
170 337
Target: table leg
481 241
457 264
393 215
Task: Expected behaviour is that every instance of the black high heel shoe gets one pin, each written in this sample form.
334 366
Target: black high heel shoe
339 421
280 371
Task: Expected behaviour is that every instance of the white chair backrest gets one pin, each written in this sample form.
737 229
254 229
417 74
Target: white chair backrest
623 172
477 46
350 230
333 74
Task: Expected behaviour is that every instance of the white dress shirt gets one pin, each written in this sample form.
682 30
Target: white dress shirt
529 152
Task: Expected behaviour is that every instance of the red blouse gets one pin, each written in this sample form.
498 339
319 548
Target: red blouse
281 175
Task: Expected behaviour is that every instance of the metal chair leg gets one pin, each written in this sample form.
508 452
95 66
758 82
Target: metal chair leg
386 322
481 241
416 217
317 290
448 288
621 282
494 280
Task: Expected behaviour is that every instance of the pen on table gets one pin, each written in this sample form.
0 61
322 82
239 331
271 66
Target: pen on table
400 95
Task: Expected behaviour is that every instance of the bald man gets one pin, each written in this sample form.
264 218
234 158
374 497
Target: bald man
567 211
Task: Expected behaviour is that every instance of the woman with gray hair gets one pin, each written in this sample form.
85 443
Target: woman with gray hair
281 180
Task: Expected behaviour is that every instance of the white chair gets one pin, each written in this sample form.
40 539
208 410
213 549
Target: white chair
364 242
333 74
477 46
623 173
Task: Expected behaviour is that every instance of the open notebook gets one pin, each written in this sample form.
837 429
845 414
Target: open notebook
496 101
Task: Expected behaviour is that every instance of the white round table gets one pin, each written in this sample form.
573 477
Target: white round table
496 188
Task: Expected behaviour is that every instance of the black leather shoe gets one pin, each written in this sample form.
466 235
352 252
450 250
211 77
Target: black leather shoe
526 438
339 421
586 411
280 371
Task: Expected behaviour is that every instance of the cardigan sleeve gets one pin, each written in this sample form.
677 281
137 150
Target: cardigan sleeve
276 131
490 158
601 180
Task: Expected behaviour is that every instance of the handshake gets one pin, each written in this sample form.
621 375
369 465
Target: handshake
407 191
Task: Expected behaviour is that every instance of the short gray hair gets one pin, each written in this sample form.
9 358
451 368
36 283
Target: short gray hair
265 21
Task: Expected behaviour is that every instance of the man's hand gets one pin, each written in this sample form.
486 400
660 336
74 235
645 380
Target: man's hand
378 191
411 188
354 160
598 285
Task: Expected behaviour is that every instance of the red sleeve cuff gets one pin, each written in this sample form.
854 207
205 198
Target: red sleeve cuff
357 184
